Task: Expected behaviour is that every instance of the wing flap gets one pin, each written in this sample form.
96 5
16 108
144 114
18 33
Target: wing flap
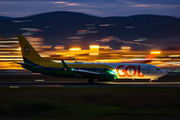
84 73
81 73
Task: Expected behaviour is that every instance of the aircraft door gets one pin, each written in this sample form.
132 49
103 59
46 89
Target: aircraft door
148 69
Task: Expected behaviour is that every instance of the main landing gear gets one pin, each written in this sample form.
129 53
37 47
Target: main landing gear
91 80
150 81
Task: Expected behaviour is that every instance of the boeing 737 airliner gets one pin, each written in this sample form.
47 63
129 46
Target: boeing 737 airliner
100 71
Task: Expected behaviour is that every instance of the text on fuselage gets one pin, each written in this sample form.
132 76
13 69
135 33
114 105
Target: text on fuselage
124 72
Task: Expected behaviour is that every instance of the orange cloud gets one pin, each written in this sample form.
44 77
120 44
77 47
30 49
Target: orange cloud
72 4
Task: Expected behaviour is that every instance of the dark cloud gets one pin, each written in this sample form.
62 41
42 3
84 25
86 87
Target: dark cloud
103 8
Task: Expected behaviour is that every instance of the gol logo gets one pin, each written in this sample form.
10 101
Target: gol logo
125 71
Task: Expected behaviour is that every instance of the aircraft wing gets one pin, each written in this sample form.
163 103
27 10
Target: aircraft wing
81 73
85 73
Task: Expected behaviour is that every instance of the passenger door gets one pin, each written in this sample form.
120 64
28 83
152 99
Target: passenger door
148 69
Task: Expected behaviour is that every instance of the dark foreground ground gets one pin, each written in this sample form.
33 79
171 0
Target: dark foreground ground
89 103
79 103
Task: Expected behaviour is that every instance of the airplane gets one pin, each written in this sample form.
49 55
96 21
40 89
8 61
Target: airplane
100 71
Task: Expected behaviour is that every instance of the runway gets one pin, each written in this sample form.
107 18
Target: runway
80 84
38 80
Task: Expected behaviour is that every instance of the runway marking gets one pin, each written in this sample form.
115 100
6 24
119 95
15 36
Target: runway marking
39 80
14 86
36 73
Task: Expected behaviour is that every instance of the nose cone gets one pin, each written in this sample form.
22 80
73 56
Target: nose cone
163 73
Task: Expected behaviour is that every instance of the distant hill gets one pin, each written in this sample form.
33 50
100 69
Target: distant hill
2 17
59 28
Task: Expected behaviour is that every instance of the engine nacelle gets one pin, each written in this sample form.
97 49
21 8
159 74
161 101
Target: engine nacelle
106 77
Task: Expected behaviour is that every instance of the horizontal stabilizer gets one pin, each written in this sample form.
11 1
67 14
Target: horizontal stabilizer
24 64
84 73
87 72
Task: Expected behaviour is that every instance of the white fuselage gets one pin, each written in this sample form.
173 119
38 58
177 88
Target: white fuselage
137 71
133 70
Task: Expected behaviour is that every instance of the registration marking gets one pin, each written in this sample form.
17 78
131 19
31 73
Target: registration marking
14 86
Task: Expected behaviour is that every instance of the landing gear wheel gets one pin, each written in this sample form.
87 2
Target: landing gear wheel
150 81
90 81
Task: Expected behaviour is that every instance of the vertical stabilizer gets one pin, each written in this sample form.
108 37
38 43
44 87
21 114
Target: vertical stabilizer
29 54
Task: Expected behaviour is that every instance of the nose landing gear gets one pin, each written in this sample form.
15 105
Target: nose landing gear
150 81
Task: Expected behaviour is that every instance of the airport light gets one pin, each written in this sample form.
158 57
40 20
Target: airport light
155 52
47 46
60 53
93 53
94 46
75 49
174 55
125 48
59 47
9 41
105 47
94 49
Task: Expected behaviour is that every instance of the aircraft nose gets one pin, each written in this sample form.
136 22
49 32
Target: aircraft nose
164 72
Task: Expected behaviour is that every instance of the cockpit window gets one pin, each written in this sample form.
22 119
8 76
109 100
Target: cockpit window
157 69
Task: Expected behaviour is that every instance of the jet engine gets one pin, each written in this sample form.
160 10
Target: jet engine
106 77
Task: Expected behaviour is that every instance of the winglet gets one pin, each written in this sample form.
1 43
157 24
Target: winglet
65 65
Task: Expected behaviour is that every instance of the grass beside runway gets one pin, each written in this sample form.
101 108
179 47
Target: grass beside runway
89 103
